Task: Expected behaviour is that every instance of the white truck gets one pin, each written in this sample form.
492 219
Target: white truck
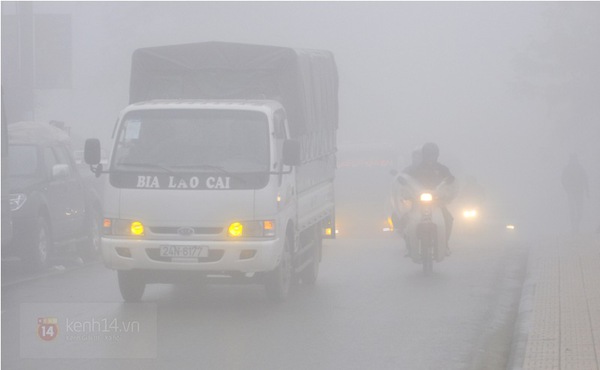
221 167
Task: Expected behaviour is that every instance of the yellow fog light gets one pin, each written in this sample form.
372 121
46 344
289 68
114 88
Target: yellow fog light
236 229
137 228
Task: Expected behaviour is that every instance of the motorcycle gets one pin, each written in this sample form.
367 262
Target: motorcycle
418 216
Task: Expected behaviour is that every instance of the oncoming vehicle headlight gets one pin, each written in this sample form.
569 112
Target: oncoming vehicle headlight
426 197
263 228
470 213
113 226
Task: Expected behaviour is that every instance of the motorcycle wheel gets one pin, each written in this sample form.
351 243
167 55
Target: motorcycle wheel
427 256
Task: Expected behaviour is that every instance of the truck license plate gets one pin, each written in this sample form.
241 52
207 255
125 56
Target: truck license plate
183 251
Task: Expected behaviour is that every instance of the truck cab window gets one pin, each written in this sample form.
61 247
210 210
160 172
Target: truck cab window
236 141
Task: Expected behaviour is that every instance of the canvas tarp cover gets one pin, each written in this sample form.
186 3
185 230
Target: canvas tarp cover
304 81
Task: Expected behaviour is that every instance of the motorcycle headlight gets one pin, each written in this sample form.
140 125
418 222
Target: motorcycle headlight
17 201
426 197
263 228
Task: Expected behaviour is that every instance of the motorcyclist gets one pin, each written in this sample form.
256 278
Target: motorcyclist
430 174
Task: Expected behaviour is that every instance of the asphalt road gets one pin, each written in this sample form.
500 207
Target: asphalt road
371 309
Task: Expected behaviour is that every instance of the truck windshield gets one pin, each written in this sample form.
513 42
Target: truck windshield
23 160
185 140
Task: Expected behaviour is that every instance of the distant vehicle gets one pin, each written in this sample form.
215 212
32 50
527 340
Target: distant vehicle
222 167
53 209
362 184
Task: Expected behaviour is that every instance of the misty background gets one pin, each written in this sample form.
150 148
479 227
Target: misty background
507 89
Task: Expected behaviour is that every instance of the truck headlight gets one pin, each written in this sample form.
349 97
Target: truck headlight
263 228
17 201
123 227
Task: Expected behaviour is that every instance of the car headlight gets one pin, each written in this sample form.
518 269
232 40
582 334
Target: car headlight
263 228
114 226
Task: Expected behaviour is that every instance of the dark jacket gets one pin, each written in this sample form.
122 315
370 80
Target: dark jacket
430 175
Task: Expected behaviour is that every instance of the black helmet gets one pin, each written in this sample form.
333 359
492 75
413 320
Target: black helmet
431 152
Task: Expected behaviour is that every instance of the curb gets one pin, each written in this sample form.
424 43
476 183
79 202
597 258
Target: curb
524 319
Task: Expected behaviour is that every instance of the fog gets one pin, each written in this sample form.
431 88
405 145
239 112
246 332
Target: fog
508 90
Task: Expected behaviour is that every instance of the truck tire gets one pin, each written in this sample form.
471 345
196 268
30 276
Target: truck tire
131 286
37 249
278 281
311 272
92 245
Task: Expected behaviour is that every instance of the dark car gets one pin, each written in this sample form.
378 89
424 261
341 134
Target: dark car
54 210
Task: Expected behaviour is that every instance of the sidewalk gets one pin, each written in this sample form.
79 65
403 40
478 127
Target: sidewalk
559 317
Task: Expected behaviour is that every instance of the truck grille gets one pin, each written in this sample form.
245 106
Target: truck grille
197 230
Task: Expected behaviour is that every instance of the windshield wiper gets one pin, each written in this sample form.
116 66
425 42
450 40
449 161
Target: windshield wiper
146 165
202 167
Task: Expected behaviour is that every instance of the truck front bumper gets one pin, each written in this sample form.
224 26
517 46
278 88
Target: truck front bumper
245 256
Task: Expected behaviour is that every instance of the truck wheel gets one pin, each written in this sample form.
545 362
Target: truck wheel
92 244
37 249
278 281
131 286
310 273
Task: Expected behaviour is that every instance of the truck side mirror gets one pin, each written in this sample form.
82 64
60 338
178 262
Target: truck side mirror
291 153
91 153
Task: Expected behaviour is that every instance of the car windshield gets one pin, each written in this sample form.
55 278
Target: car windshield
193 140
23 160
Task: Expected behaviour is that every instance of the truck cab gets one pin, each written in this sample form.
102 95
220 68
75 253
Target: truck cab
200 186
